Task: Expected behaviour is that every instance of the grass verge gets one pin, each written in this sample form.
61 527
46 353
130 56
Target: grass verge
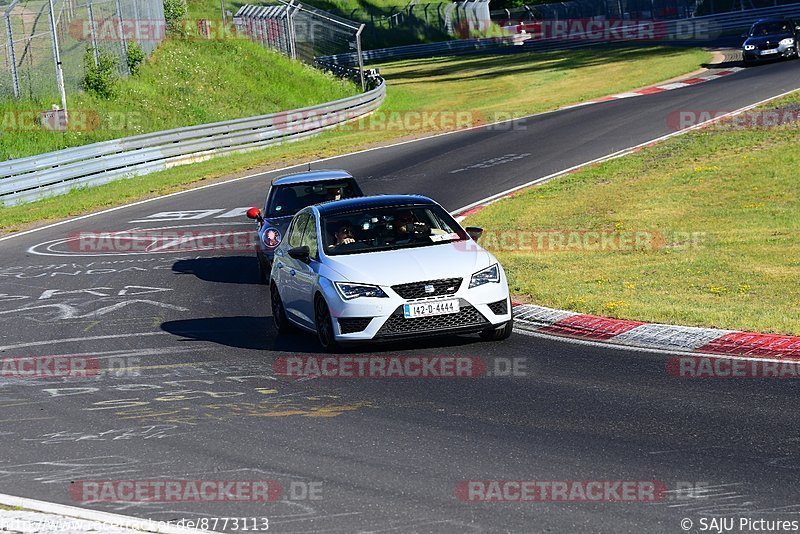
721 206
487 87
184 82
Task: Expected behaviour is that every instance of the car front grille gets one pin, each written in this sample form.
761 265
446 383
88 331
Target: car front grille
416 290
349 325
397 324
500 307
766 46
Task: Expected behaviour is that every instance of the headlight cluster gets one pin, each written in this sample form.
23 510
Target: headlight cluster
749 47
789 41
488 275
350 291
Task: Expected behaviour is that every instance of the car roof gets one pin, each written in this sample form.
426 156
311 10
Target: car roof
772 19
311 176
376 201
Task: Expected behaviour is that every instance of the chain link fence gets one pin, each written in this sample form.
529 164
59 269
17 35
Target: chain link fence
43 38
305 33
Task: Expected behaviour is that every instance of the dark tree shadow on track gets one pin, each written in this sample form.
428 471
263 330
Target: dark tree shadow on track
222 269
258 333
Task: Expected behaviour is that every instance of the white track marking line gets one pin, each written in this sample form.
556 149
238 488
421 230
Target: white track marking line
145 525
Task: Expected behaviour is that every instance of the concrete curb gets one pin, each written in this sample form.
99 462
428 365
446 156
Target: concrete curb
660 88
689 339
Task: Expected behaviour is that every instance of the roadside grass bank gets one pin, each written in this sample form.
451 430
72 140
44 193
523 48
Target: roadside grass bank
184 82
717 213
484 87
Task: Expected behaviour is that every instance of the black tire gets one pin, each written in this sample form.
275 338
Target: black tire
324 322
263 273
498 333
278 311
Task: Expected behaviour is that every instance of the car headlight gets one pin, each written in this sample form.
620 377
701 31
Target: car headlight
789 41
486 276
749 47
350 291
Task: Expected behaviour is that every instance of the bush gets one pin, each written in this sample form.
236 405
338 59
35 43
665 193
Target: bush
175 16
100 79
135 57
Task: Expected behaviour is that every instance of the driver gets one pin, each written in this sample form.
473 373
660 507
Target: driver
405 225
343 236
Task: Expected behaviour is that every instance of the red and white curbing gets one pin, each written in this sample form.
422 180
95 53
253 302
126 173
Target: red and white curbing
714 341
713 75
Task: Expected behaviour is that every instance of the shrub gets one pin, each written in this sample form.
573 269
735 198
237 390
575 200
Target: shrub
135 57
175 16
100 79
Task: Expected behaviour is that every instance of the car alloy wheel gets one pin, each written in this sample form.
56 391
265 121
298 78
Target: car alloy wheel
278 311
322 317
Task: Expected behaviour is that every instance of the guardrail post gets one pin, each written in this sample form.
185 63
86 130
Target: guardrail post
360 58
12 56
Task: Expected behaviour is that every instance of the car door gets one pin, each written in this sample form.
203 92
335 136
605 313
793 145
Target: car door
288 266
306 274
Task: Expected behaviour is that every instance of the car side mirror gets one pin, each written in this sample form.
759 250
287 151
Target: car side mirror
474 232
255 213
300 253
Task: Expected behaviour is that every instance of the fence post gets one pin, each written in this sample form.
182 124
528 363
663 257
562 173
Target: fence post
57 60
12 56
123 48
292 32
92 33
360 59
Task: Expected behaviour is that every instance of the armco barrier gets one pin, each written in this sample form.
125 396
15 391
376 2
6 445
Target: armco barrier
53 173
673 31
456 46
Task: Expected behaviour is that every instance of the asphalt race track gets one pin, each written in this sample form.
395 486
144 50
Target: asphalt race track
380 455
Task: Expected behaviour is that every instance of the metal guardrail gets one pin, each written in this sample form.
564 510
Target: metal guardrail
53 173
693 30
456 46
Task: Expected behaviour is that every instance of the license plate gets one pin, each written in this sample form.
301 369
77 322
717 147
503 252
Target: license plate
765 52
427 309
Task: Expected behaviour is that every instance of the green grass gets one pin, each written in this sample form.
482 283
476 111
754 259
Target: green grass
490 87
726 203
185 82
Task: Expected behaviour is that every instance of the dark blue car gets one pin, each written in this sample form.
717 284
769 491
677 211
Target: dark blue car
289 194
770 38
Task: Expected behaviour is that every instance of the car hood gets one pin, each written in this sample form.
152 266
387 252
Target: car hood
762 39
386 268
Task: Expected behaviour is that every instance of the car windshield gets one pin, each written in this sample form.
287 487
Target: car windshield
769 28
388 228
289 199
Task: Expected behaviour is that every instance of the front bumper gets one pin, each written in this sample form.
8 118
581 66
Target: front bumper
366 319
752 56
